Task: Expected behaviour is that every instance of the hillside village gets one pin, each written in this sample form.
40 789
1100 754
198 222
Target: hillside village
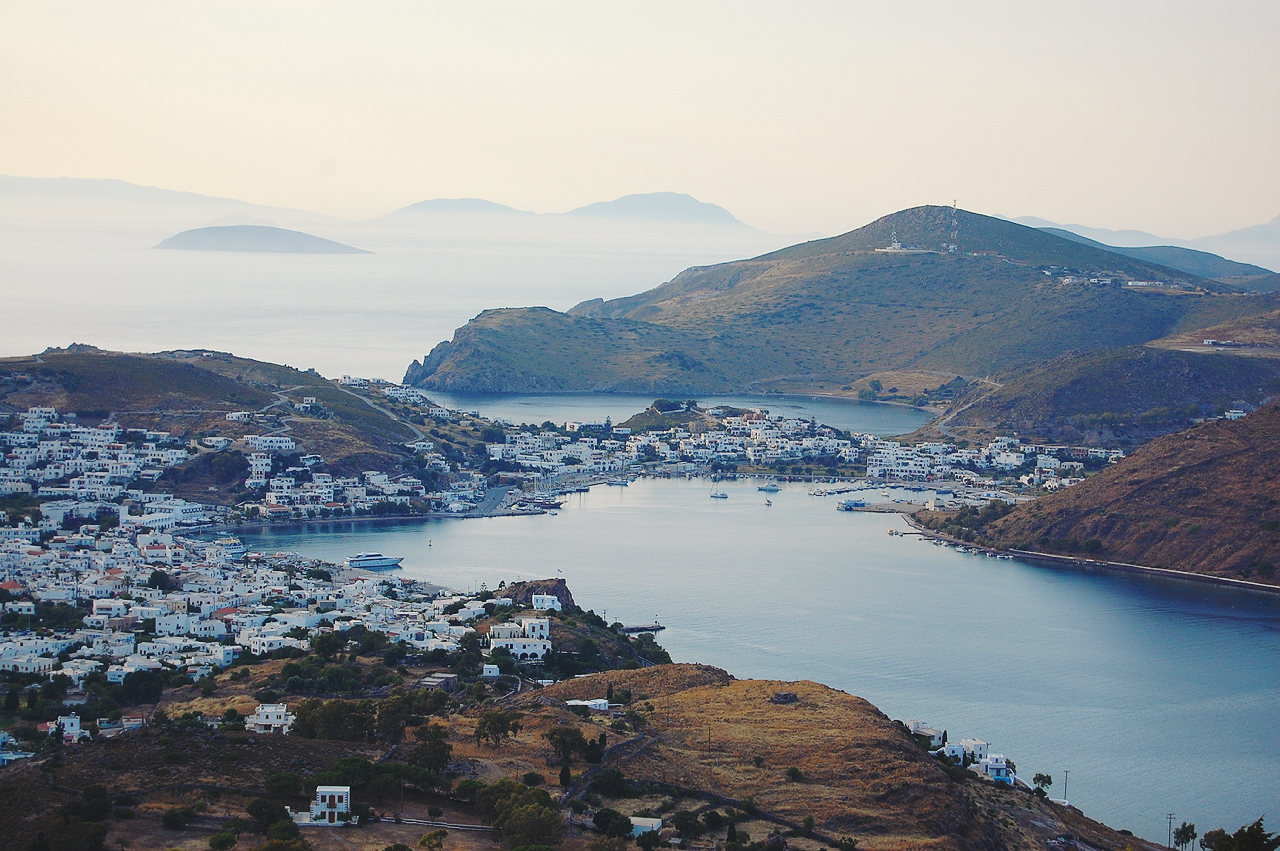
114 606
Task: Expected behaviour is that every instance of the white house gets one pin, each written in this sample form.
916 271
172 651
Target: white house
332 805
975 749
997 768
490 672
641 825
525 649
546 602
536 628
920 728
270 718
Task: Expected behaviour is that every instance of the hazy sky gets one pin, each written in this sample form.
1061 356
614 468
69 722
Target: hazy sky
1162 116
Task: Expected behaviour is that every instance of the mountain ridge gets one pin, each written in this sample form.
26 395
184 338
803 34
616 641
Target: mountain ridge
818 315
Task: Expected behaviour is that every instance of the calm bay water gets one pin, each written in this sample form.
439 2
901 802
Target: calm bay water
1157 695
850 414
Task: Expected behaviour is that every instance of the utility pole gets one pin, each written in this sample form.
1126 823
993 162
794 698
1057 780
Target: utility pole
1066 775
1170 818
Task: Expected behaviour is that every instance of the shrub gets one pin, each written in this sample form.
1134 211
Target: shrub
222 841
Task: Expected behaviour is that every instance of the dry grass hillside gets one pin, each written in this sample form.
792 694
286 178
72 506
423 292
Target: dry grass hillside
1203 500
693 739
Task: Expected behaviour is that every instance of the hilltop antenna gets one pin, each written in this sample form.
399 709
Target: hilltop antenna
955 228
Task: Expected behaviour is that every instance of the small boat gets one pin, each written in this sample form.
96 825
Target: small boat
768 502
769 488
719 495
373 561
618 483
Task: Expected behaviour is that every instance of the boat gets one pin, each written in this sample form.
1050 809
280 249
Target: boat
851 504
818 492
719 495
373 560
232 548
769 488
768 502
618 483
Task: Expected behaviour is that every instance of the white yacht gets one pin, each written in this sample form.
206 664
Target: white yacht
373 560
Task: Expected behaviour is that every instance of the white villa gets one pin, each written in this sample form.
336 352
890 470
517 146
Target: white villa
332 805
270 718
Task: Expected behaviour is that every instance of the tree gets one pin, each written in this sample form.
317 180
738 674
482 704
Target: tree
686 824
222 841
265 813
610 822
1042 781
285 784
566 776
1251 837
433 841
649 840
495 726
565 742
532 824
284 829
1184 835
433 751
326 644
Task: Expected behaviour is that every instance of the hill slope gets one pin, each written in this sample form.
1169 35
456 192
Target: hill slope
1201 501
1189 260
190 393
256 238
817 316
1113 396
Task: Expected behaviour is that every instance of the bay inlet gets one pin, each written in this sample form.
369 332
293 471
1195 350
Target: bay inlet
1153 693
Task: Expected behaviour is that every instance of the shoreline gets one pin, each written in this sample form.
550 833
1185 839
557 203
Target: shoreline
1117 566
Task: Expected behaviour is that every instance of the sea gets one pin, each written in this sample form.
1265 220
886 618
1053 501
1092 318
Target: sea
1141 696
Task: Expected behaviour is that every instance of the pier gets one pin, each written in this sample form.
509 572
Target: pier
653 627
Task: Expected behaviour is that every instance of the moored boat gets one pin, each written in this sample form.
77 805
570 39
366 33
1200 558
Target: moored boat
373 561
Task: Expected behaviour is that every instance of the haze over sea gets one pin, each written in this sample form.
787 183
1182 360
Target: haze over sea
1155 694
342 314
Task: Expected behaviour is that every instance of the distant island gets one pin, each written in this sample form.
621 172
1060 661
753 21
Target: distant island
256 238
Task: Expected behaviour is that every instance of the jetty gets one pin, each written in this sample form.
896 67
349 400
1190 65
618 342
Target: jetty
653 627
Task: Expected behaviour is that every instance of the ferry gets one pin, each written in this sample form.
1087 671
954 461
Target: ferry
851 504
373 561
232 548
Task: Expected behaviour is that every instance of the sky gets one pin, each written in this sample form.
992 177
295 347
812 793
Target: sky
798 117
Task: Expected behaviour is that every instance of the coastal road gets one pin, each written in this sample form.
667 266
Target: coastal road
488 507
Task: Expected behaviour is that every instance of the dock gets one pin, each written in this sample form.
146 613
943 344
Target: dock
653 627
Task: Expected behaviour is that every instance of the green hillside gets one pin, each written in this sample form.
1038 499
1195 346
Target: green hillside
818 316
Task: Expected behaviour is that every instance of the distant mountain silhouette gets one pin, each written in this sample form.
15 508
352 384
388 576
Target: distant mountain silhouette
256 238
456 206
659 206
